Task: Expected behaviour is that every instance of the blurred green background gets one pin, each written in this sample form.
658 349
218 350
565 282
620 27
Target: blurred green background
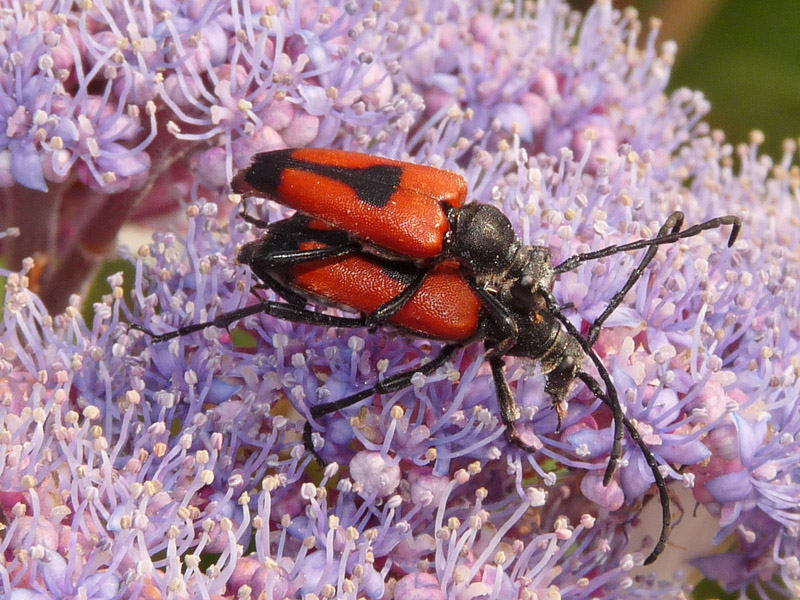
743 55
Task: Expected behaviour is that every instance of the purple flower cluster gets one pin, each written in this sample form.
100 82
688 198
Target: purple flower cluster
554 77
140 470
107 104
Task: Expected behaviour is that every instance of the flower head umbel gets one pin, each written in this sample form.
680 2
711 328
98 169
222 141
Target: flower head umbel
177 469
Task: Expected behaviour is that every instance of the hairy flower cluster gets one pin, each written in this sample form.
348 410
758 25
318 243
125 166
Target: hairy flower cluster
549 75
141 470
107 103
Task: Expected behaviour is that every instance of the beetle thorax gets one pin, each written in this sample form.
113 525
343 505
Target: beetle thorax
482 239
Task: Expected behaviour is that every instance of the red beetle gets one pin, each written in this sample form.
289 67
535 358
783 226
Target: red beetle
397 242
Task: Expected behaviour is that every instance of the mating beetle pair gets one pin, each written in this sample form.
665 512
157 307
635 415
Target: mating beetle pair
397 242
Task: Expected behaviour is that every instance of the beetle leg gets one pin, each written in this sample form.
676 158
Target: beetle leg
292 257
501 316
296 257
293 230
279 310
374 319
270 283
620 420
255 221
507 405
389 309
393 383
262 267
561 413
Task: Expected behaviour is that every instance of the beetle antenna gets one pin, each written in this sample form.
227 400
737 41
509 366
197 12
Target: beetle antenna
668 233
611 400
663 495
671 226
659 240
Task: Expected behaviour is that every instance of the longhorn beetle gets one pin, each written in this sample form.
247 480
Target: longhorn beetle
397 242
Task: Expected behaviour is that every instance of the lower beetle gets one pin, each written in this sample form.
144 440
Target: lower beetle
482 284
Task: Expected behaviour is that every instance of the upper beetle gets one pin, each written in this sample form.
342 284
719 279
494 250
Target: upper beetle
417 212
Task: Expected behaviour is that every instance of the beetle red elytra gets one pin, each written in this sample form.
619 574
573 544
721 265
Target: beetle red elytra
393 205
397 242
444 307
